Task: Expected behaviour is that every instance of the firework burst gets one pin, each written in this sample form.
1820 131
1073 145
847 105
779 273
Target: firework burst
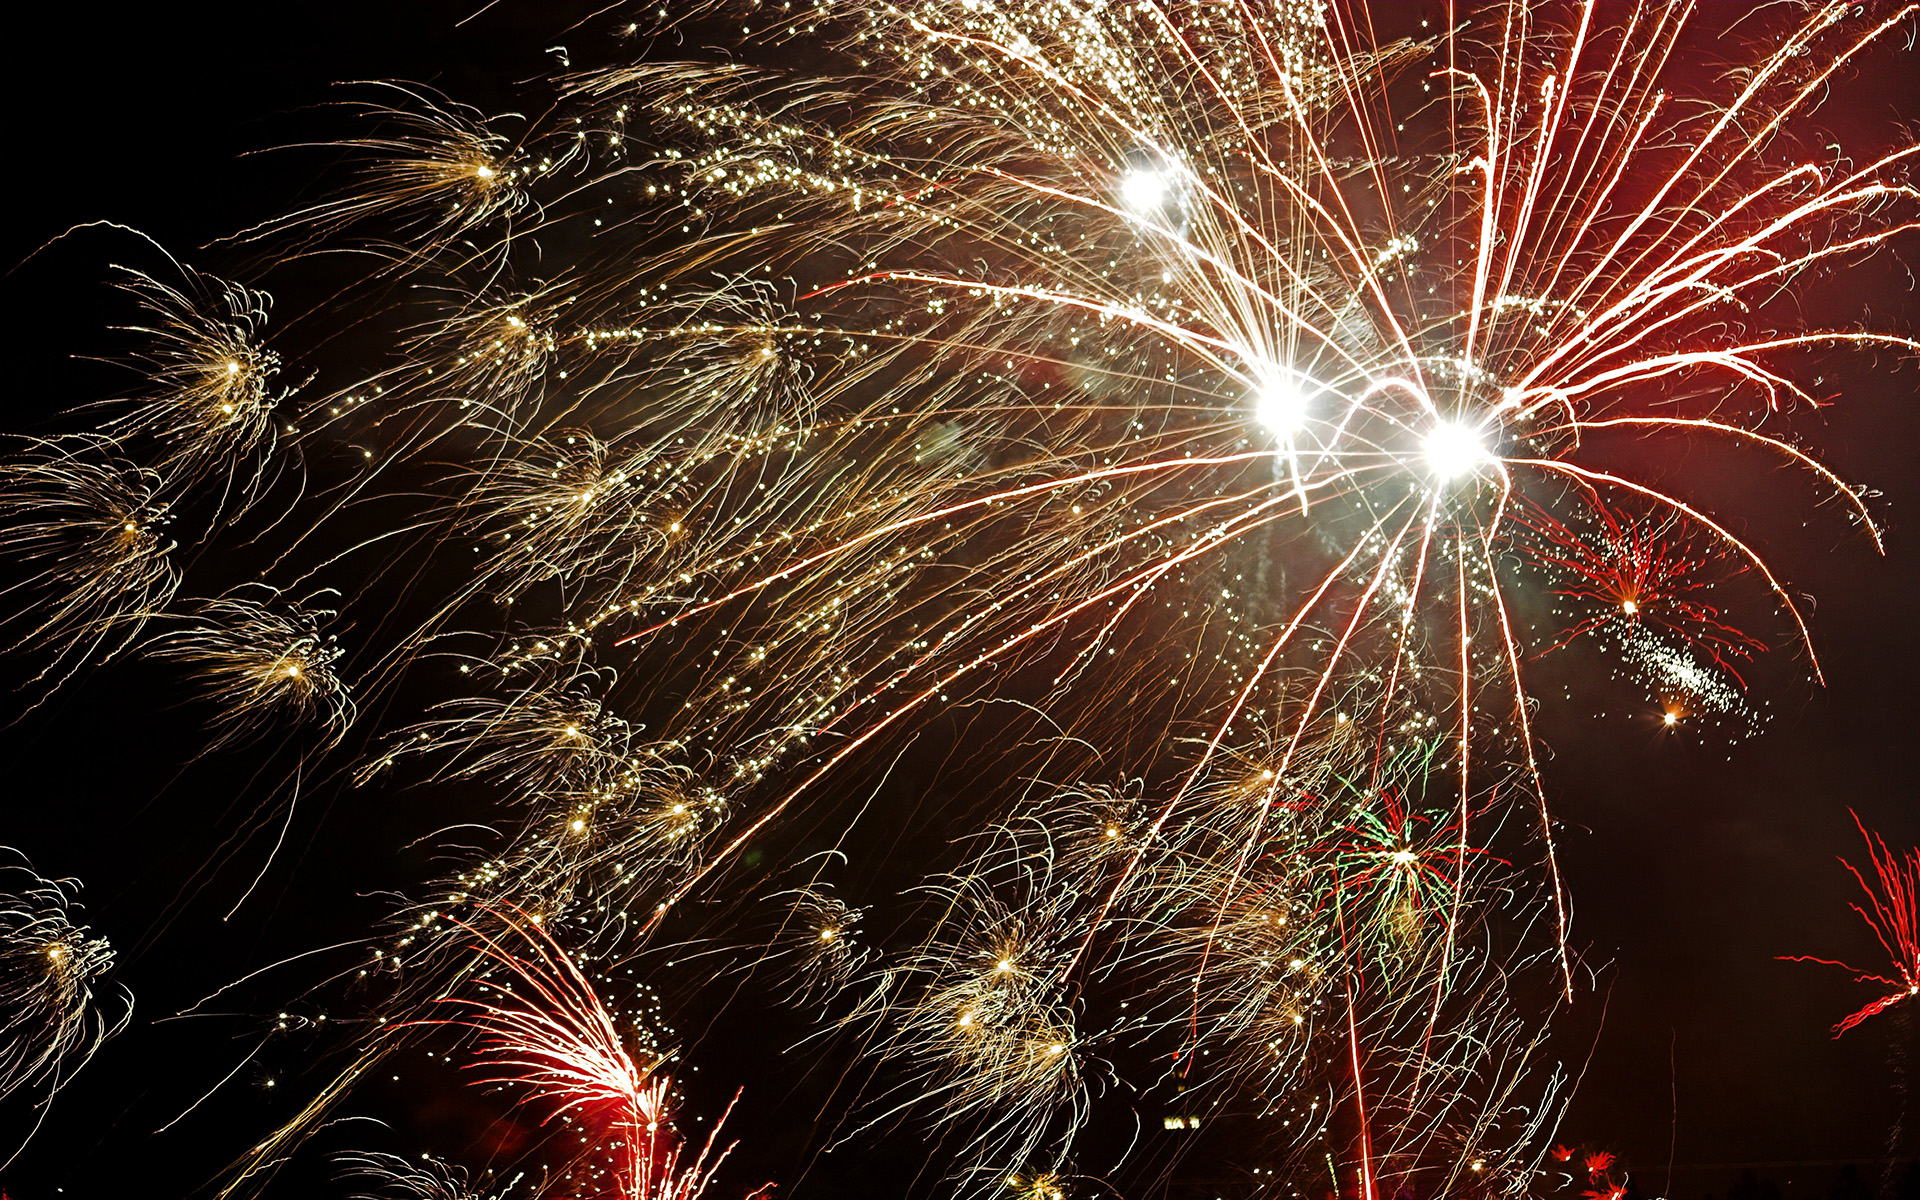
90 531
390 1177
819 941
546 1032
257 660
208 398
1199 280
52 972
1892 912
979 1023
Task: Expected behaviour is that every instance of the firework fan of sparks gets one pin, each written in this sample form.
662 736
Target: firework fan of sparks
818 941
547 1033
257 661
208 400
91 529
980 1025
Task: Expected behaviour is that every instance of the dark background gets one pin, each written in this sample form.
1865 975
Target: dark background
1693 863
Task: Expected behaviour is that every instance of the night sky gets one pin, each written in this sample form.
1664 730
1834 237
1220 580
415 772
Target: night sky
1693 863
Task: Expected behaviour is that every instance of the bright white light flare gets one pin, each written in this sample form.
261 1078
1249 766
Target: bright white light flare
1143 190
1281 407
1454 449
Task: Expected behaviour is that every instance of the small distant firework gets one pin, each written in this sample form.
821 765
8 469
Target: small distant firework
89 529
1892 912
434 169
209 395
1591 1174
258 661
544 732
607 814
981 1027
1396 871
1601 1183
819 941
1042 1186
1640 587
568 506
54 1009
1632 570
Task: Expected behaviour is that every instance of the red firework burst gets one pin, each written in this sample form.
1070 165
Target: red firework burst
1639 571
1892 911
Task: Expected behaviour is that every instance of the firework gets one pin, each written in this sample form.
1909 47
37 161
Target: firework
434 167
567 507
820 941
545 1031
1173 406
1398 873
978 1020
548 1033
91 531
88 525
1643 588
390 1177
1892 912
608 814
1218 327
208 399
256 661
52 972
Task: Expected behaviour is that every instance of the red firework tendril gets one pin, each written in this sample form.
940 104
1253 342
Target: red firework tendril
1892 911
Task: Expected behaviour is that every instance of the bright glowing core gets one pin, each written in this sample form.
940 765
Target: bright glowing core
1281 408
1143 189
1454 449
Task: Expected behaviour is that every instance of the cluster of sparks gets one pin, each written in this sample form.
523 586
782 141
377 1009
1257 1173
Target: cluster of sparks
1211 384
